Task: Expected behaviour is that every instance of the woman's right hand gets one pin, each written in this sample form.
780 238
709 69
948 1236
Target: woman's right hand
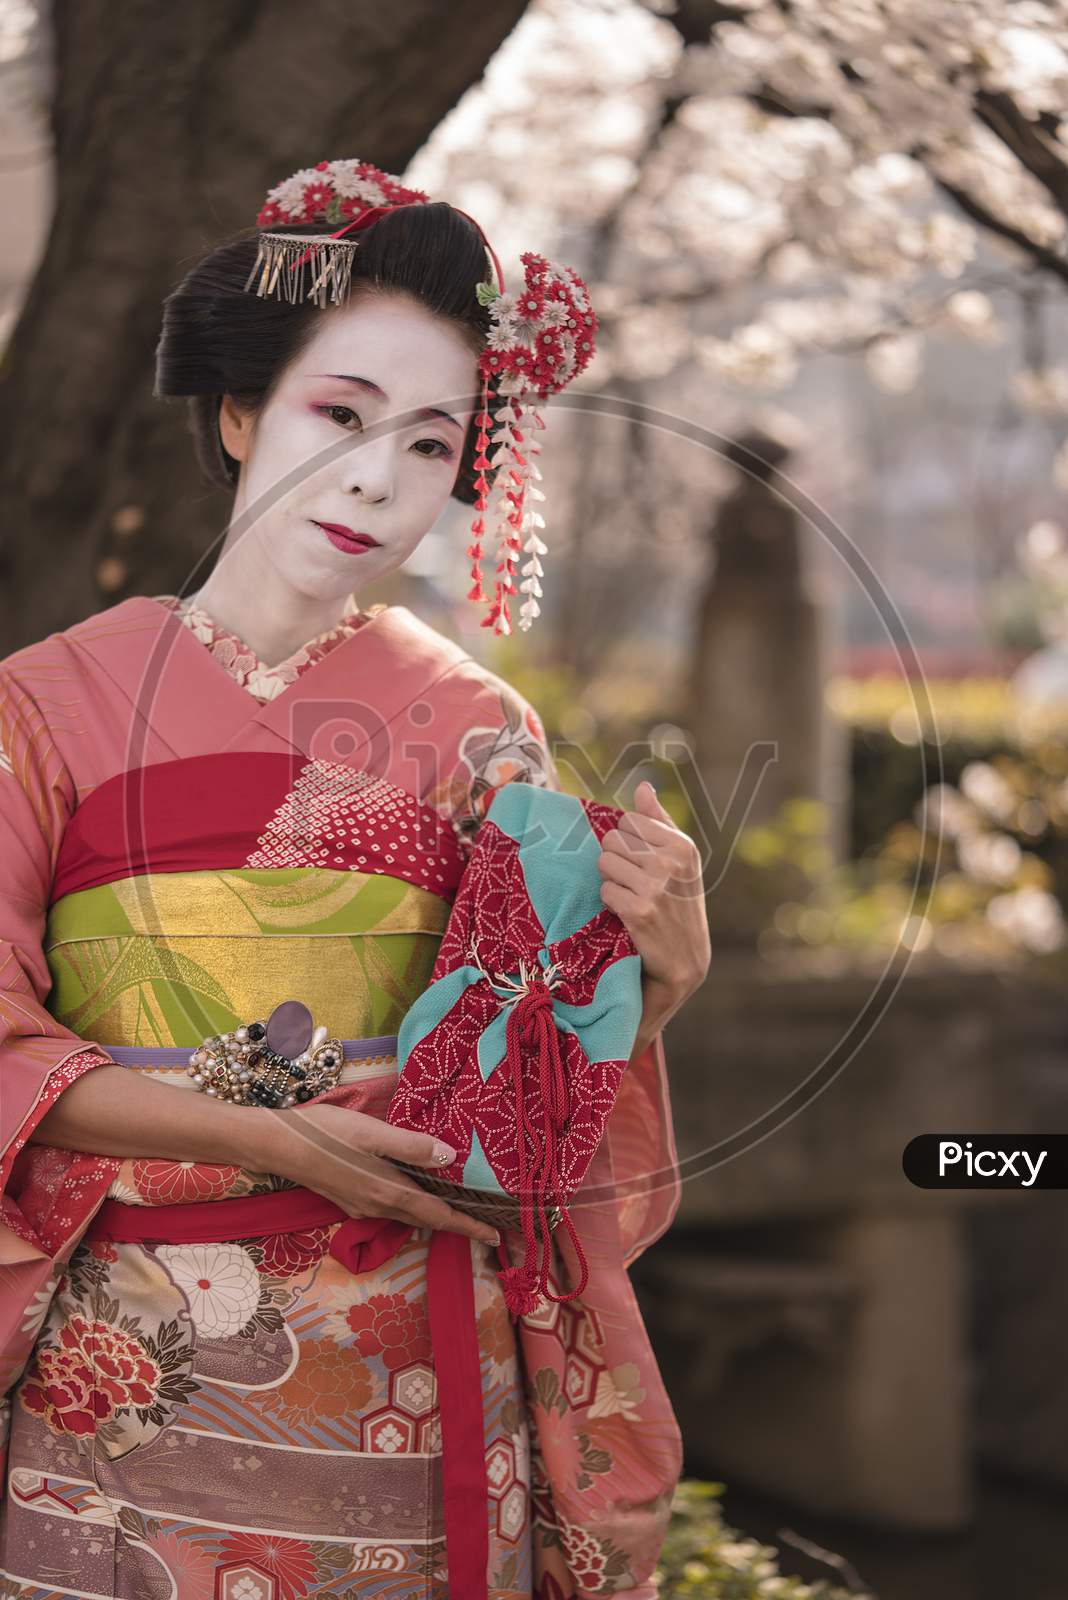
342 1154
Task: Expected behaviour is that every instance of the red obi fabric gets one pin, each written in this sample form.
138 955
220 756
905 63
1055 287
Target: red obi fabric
258 808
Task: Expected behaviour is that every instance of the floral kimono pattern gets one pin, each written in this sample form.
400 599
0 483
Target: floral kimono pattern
249 1419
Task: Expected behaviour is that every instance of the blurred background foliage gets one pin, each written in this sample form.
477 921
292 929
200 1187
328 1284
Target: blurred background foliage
957 827
704 1556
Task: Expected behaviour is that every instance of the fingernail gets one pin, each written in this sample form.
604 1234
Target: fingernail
496 1239
443 1153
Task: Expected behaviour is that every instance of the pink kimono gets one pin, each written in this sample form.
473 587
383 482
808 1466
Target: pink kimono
186 838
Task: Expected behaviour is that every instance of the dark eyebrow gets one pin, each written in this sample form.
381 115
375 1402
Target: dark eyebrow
427 412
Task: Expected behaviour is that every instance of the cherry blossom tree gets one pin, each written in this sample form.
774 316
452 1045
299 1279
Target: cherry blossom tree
748 185
885 141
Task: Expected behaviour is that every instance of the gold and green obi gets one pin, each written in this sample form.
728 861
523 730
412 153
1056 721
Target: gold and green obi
169 958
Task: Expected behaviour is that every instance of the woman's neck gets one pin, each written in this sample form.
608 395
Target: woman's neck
274 620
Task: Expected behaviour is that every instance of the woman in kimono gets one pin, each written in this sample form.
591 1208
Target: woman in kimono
215 803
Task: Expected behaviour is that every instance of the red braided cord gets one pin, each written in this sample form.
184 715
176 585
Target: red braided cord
513 1045
556 1101
531 1021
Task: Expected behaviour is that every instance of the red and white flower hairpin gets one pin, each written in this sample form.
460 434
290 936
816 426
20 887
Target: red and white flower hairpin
539 340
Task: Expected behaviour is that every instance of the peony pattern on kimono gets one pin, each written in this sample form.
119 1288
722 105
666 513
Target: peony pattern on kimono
110 1380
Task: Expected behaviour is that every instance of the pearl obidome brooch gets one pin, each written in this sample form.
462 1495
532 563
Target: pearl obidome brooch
277 1063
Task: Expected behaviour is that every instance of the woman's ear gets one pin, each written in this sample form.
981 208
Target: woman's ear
235 427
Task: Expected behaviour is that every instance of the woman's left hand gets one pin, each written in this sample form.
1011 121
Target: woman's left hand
653 882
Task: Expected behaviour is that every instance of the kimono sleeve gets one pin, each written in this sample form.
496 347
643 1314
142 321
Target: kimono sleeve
500 739
494 737
39 1057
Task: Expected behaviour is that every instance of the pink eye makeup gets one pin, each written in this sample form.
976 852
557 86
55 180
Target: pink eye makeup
441 451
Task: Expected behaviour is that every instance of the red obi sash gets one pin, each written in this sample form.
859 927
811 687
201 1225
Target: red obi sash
362 1243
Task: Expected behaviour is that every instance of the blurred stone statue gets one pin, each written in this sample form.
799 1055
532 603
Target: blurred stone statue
755 691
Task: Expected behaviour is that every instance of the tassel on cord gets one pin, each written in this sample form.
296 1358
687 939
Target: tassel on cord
531 1022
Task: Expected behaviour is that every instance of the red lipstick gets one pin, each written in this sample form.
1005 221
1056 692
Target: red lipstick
348 539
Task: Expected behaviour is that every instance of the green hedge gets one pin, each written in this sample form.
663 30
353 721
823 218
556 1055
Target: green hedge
703 1556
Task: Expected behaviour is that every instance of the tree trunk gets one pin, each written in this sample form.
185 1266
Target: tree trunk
170 124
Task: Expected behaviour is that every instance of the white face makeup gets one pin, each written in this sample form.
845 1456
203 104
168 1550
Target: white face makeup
392 487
